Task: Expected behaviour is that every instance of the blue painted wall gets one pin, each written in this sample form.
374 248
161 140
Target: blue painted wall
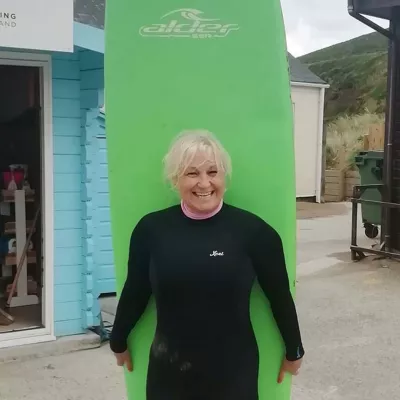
96 267
78 92
92 99
103 251
68 208
78 82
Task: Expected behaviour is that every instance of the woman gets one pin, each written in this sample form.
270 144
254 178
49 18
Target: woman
200 260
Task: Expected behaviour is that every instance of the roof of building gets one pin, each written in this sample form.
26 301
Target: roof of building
90 12
300 73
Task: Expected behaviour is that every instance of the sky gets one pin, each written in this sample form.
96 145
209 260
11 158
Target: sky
314 24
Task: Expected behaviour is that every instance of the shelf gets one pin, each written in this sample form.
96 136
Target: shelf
11 258
21 226
8 196
9 228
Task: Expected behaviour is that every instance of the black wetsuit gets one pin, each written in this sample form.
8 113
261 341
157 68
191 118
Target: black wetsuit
201 273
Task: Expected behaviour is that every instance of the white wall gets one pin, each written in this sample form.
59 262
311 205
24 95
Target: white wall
306 108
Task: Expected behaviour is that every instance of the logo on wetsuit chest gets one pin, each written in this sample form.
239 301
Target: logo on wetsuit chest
216 253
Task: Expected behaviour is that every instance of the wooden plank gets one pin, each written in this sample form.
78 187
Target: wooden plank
353 181
366 142
65 56
67 238
67 126
65 293
93 79
66 108
67 311
66 69
68 220
333 190
329 187
71 327
332 179
352 178
332 198
67 201
8 196
68 257
376 137
66 89
67 163
67 183
349 192
68 275
67 145
90 60
352 174
11 258
334 185
333 173
10 229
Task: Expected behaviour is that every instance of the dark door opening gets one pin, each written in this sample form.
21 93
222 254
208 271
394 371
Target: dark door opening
20 196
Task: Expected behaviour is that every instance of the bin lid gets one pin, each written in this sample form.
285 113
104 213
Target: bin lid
363 156
375 8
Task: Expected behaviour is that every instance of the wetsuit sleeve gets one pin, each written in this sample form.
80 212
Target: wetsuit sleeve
136 291
268 258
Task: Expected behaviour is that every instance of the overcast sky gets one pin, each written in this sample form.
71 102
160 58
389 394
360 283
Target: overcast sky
315 24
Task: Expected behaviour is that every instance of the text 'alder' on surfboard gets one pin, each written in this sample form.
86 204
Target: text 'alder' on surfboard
188 23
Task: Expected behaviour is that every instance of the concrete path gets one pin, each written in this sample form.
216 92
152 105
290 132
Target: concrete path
348 314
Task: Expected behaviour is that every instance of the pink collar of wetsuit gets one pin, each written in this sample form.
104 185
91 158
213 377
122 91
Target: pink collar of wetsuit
197 215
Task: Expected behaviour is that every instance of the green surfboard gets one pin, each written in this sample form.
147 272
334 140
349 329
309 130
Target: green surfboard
215 65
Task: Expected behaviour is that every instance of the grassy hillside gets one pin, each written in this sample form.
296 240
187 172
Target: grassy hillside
357 73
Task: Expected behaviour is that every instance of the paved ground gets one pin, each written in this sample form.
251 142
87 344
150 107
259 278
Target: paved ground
349 317
348 312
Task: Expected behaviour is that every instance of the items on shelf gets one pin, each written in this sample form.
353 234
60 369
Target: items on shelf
20 282
16 177
16 244
32 288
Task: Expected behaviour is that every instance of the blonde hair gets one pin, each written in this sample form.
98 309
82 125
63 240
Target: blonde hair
185 147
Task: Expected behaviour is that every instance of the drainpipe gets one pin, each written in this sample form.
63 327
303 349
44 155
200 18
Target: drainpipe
320 146
389 129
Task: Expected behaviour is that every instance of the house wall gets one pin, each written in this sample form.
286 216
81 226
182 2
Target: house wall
97 205
306 129
92 98
103 251
78 84
77 90
68 206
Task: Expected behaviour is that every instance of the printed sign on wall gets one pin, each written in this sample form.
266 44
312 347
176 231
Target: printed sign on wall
37 25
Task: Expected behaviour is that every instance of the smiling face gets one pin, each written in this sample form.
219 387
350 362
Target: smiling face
202 184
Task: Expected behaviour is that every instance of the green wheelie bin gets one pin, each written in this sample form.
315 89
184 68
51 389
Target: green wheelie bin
370 166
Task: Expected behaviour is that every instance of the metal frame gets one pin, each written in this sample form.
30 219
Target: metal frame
386 188
357 252
352 11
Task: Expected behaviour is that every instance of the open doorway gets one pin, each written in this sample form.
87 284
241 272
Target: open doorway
21 179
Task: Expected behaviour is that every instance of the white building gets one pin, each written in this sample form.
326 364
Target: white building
308 93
